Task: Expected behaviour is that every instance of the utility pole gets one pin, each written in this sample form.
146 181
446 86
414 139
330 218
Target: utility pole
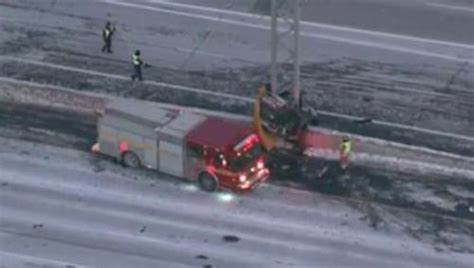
290 14
274 47
297 59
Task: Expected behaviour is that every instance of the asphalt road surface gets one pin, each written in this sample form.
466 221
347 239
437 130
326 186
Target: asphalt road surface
62 208
445 20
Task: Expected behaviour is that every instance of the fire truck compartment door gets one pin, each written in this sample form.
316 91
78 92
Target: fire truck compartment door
150 152
171 158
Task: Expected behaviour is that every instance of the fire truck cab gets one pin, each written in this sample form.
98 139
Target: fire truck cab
218 153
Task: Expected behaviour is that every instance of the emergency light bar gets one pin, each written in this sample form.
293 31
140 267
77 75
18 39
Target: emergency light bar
246 143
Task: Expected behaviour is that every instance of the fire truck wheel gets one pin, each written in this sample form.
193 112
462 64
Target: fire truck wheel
207 182
131 160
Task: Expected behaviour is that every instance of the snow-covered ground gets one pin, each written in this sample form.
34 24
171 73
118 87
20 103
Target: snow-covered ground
63 207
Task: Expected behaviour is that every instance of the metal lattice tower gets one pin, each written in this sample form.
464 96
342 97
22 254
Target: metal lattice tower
288 14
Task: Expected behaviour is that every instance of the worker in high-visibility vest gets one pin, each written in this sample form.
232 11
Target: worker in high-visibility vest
107 36
137 66
345 151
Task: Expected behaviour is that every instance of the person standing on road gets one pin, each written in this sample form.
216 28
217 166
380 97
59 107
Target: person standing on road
345 151
137 66
107 36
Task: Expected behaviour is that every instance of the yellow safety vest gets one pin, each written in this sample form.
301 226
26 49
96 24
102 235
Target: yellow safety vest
346 147
107 32
136 59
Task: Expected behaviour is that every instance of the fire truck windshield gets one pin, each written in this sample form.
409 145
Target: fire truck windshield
244 159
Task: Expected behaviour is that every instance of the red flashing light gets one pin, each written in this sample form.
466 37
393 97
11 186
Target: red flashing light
260 164
247 146
247 143
95 148
211 168
124 147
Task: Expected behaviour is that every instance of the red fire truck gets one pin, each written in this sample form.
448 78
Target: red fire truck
214 151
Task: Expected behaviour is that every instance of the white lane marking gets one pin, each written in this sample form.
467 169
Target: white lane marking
231 96
372 140
388 47
17 259
396 79
121 77
200 52
390 89
452 7
315 24
312 35
352 79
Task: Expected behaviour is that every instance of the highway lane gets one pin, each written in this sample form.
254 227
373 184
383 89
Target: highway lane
435 19
325 32
63 207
